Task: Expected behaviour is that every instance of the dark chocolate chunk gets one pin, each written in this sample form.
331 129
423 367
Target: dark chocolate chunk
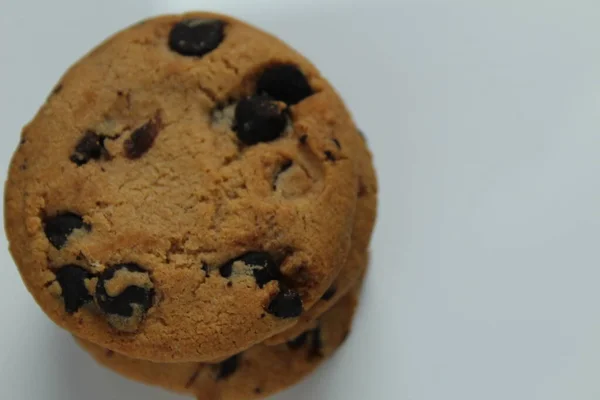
228 367
58 227
329 155
329 293
259 119
303 139
89 147
71 279
196 37
298 342
337 143
284 82
123 303
263 267
141 140
226 269
286 304
204 268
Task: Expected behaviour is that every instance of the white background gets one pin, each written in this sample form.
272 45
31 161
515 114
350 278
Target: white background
484 117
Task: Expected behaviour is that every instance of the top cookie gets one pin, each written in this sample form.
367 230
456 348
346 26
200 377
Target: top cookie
186 191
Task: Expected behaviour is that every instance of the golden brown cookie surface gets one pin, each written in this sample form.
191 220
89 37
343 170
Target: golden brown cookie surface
187 193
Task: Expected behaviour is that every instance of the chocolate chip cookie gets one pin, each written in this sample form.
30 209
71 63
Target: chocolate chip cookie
255 373
188 191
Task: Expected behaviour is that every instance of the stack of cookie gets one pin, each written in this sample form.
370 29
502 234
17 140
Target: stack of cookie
194 204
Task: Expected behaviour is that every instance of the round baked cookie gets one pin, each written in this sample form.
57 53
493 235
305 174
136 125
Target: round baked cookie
256 373
356 264
187 190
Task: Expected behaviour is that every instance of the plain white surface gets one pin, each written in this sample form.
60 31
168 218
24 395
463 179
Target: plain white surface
484 118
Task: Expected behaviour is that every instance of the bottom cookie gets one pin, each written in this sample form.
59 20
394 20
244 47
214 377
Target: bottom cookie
256 373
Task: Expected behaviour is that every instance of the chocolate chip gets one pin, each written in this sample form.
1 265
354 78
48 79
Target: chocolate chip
329 293
196 37
298 342
123 303
228 367
284 82
286 304
71 279
259 119
204 268
58 227
263 267
316 343
329 155
303 139
226 269
337 143
89 147
141 140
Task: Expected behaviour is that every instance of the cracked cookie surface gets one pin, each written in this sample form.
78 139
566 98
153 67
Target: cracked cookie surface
176 146
253 374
